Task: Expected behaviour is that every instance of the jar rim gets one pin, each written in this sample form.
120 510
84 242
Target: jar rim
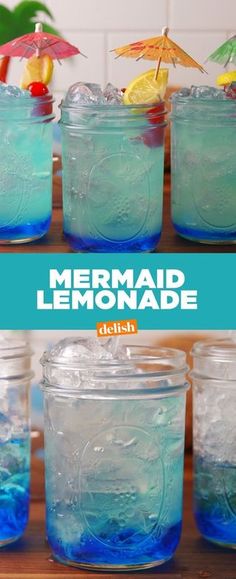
178 98
115 393
223 350
27 110
163 368
146 354
13 348
96 107
24 100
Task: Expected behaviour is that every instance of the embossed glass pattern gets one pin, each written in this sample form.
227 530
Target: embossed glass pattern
204 169
114 444
25 168
214 381
113 161
15 375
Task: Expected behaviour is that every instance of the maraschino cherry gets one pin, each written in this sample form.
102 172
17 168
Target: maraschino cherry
38 89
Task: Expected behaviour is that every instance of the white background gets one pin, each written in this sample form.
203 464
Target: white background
96 26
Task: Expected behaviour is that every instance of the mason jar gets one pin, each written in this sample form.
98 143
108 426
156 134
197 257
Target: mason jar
204 168
114 448
25 167
214 432
15 376
113 163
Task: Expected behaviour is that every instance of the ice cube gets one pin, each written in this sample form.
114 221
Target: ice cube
207 92
83 363
79 349
214 430
113 346
82 93
98 350
112 94
3 86
96 90
15 91
183 92
9 90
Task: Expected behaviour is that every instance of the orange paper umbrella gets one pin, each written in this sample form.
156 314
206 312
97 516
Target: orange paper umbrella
161 48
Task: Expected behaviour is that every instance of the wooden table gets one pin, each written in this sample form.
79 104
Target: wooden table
30 558
170 242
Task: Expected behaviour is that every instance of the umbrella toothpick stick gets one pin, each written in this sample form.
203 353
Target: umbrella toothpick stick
165 31
38 28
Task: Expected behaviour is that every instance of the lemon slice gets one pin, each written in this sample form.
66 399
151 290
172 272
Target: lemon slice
37 69
226 78
144 89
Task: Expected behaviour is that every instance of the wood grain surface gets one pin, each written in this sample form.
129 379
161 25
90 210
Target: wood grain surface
54 242
195 558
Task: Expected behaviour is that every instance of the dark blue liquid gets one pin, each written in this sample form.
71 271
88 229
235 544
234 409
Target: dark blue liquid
27 231
203 235
14 488
106 246
215 501
214 527
14 510
128 547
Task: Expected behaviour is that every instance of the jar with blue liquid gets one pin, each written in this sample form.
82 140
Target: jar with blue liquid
114 449
113 166
214 396
15 376
25 165
203 165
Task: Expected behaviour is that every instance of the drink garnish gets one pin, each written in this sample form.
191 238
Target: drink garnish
37 69
230 90
226 78
38 89
145 89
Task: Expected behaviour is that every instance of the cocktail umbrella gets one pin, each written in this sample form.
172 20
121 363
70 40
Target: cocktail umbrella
226 53
39 43
160 48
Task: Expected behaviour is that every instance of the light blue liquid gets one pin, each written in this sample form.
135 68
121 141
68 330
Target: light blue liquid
215 501
114 493
26 178
14 488
113 187
204 170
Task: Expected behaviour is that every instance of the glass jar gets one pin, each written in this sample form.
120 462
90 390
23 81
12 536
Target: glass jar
25 167
214 396
15 376
204 168
113 164
114 447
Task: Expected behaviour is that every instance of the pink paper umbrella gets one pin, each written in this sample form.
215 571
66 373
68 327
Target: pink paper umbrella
39 43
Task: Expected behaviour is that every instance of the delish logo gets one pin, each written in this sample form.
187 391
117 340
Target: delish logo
119 328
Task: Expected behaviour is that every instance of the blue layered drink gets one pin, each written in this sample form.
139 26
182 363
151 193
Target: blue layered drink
14 487
25 165
114 456
113 164
15 375
215 500
214 395
203 165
